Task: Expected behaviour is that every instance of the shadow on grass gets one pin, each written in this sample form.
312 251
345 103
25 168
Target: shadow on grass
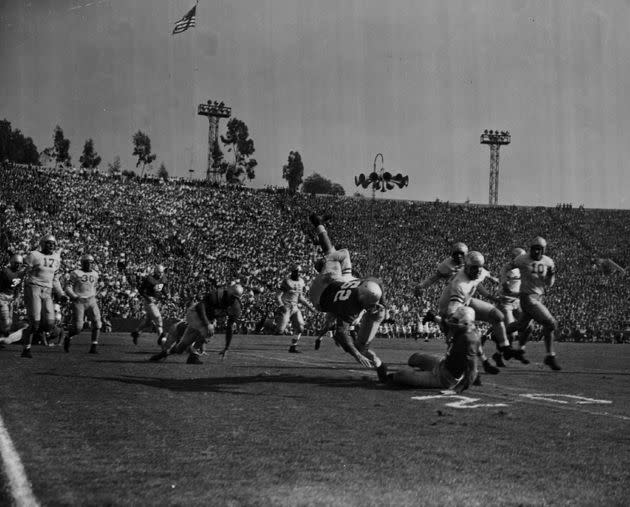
222 384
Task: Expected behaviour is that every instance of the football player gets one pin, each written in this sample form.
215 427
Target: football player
201 322
446 269
152 290
507 302
81 289
538 272
11 278
460 291
334 290
290 294
42 280
457 370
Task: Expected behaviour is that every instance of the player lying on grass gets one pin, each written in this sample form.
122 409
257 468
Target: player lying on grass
334 290
457 370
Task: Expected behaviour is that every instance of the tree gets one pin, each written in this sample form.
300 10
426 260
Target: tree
113 169
61 148
238 142
162 172
317 184
14 147
293 171
89 159
337 189
5 139
142 150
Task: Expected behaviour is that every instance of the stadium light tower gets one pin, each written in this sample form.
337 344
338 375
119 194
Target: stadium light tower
214 111
495 139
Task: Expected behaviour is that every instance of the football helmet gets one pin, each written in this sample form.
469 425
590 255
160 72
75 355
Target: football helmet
517 252
236 290
537 248
463 318
48 244
16 261
473 263
86 262
458 252
369 293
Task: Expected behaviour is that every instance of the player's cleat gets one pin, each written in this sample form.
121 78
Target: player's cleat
66 343
381 371
193 359
318 343
159 356
498 359
27 353
135 335
552 363
93 349
520 356
508 352
489 368
294 350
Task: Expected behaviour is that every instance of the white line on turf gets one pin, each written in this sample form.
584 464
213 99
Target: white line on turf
19 485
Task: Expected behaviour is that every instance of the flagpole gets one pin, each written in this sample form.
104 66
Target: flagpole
194 77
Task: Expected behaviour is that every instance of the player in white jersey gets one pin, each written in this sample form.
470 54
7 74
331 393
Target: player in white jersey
289 296
42 280
538 272
507 301
460 291
446 269
81 289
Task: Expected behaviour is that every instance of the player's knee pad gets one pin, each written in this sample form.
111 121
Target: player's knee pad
97 324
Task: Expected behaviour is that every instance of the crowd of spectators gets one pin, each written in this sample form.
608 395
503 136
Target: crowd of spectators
206 233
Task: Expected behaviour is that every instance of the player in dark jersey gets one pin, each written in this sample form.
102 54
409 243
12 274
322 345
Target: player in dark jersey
201 322
334 290
152 291
457 370
11 278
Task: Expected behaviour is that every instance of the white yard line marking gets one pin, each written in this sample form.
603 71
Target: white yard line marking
578 402
19 485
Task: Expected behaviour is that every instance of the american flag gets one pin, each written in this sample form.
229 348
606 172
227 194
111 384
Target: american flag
186 22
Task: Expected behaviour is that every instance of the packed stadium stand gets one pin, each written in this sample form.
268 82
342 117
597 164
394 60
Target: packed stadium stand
205 233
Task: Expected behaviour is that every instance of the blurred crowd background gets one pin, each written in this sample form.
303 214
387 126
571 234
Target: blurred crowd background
209 234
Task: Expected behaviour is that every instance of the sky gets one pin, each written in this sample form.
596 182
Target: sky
340 81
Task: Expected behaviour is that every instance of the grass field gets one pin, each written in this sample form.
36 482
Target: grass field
266 427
